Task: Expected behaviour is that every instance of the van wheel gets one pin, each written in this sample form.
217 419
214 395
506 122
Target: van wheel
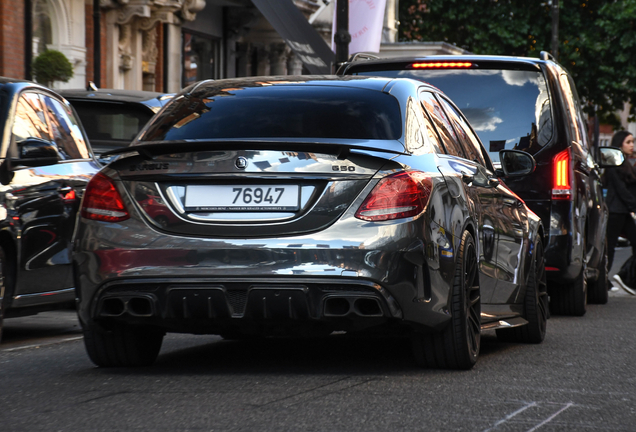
457 346
535 304
122 345
598 290
570 299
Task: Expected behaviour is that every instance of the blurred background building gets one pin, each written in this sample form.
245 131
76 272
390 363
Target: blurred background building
164 45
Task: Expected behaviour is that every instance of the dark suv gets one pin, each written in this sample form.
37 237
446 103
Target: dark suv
531 104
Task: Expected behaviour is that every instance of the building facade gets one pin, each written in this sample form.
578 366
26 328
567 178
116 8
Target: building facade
159 45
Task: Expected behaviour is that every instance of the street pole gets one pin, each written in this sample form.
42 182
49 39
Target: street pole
555 29
97 44
28 39
342 36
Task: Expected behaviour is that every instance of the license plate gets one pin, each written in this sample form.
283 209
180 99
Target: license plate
242 198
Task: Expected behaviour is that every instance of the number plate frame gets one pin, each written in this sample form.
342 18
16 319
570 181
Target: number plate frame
242 198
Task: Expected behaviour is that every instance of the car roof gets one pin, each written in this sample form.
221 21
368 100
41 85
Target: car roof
363 82
9 80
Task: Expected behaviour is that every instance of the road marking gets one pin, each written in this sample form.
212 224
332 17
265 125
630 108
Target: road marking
549 419
509 416
42 344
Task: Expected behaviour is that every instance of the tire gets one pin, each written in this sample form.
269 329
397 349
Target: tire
535 304
457 346
598 291
122 345
570 299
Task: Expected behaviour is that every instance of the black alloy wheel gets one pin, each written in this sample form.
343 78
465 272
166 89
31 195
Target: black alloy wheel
122 345
598 290
458 345
535 304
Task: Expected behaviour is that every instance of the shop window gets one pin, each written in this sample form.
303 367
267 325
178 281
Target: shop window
200 58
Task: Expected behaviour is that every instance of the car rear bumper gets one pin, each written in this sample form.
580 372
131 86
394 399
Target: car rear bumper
217 286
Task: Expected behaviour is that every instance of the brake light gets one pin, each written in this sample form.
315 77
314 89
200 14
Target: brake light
102 202
441 65
397 196
561 189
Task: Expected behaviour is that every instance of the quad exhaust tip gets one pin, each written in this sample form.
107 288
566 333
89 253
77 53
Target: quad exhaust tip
361 306
134 306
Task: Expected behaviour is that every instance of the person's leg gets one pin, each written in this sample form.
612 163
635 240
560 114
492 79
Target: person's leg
614 227
629 229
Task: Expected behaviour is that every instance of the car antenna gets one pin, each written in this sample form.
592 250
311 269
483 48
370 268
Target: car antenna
91 86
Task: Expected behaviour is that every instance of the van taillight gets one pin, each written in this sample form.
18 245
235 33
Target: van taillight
397 196
102 201
561 189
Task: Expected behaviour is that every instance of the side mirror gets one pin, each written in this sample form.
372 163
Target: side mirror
34 152
610 157
516 163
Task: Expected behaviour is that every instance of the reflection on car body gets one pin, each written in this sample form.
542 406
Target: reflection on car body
406 236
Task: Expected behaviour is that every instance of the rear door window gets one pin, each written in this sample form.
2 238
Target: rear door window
471 148
30 119
449 138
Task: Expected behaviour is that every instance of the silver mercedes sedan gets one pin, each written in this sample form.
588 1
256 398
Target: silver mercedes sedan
300 206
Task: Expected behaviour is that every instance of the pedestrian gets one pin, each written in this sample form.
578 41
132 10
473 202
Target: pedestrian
621 203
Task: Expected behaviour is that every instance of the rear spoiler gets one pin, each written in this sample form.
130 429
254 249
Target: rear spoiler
341 148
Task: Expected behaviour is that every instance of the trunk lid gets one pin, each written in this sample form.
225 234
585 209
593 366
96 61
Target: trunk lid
247 193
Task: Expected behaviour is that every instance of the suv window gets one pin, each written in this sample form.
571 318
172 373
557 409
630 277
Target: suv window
509 109
111 121
432 106
573 107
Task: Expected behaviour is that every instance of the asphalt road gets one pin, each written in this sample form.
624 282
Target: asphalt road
583 377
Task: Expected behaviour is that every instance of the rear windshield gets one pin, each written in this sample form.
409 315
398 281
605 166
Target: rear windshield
111 121
509 109
280 112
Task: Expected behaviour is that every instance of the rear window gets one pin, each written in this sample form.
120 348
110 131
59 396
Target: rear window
508 109
280 112
111 121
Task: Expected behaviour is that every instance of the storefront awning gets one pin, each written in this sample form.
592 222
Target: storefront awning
300 36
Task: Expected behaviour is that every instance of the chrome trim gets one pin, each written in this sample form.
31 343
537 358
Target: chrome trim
44 294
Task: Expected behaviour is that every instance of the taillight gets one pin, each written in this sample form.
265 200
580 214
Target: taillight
561 189
397 196
441 65
102 202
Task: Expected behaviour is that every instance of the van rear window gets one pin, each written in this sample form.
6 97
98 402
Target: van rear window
508 109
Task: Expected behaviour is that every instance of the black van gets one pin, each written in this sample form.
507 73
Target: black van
530 104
